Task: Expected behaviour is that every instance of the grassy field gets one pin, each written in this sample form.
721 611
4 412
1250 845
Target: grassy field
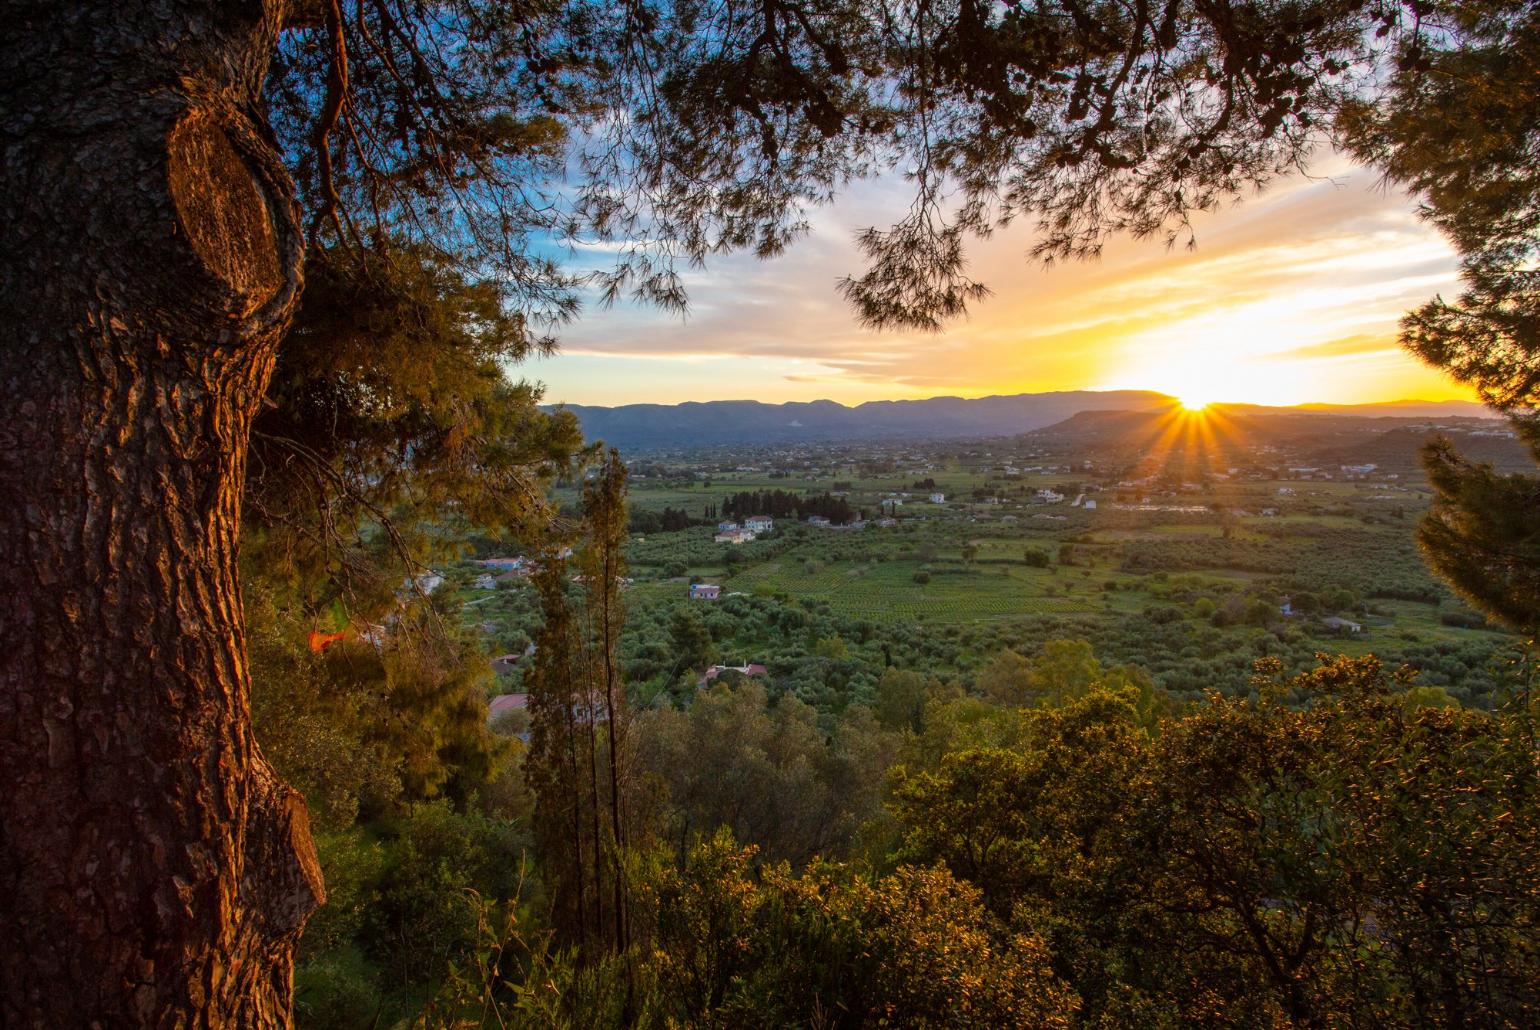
1315 535
1187 580
888 590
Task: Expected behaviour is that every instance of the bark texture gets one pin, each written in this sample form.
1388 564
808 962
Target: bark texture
153 869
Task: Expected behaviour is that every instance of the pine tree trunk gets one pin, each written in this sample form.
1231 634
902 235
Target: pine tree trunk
153 869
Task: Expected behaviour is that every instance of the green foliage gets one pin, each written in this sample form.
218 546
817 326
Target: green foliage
737 948
1359 860
1459 128
1006 679
1481 535
1036 558
768 773
690 639
404 906
338 992
833 648
899 703
1062 669
316 729
390 412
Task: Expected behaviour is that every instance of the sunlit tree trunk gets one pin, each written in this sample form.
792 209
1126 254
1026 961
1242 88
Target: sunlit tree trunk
153 869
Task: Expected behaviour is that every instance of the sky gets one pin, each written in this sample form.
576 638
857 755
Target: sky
1291 296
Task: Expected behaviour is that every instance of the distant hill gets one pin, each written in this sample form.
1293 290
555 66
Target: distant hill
1390 436
1401 447
1407 409
718 423
696 424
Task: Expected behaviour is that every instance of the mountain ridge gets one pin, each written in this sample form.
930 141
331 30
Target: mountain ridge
693 424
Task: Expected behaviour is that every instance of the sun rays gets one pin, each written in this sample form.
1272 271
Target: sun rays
1192 439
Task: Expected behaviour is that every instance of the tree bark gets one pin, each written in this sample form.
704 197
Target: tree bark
154 871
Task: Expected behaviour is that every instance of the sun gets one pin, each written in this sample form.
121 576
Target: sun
1193 403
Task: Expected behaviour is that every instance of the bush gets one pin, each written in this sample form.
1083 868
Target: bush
337 992
1462 620
922 577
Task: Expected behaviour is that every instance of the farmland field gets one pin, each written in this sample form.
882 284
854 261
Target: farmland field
1190 579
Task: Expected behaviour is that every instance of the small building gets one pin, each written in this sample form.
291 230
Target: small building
704 591
485 581
726 527
734 536
424 583
502 564
751 670
506 665
1090 505
817 520
759 523
1337 622
938 498
505 703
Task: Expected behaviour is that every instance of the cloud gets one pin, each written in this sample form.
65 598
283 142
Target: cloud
1312 271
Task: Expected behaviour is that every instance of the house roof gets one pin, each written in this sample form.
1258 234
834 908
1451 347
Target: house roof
507 703
752 669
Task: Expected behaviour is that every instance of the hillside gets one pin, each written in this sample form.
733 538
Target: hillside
716 423
697 424
1326 436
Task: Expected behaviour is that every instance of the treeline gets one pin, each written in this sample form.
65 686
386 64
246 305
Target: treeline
781 504
641 520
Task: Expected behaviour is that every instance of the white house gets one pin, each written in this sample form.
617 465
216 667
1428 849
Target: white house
751 670
704 591
759 523
425 583
734 536
938 498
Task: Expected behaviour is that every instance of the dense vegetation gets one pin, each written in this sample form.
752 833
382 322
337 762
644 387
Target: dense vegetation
1050 843
1009 760
1058 841
1121 788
